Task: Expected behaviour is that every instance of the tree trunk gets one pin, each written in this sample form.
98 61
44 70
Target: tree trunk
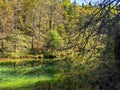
117 49
32 43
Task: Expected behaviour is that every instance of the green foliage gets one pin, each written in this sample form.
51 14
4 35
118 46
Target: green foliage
56 40
27 27
15 54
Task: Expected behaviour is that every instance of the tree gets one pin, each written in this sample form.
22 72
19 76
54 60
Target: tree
6 17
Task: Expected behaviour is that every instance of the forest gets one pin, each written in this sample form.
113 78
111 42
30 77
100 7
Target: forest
59 45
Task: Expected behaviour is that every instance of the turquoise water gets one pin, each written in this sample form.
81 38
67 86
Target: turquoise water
15 78
22 75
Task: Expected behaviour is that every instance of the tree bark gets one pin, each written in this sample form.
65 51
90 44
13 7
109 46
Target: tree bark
117 49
